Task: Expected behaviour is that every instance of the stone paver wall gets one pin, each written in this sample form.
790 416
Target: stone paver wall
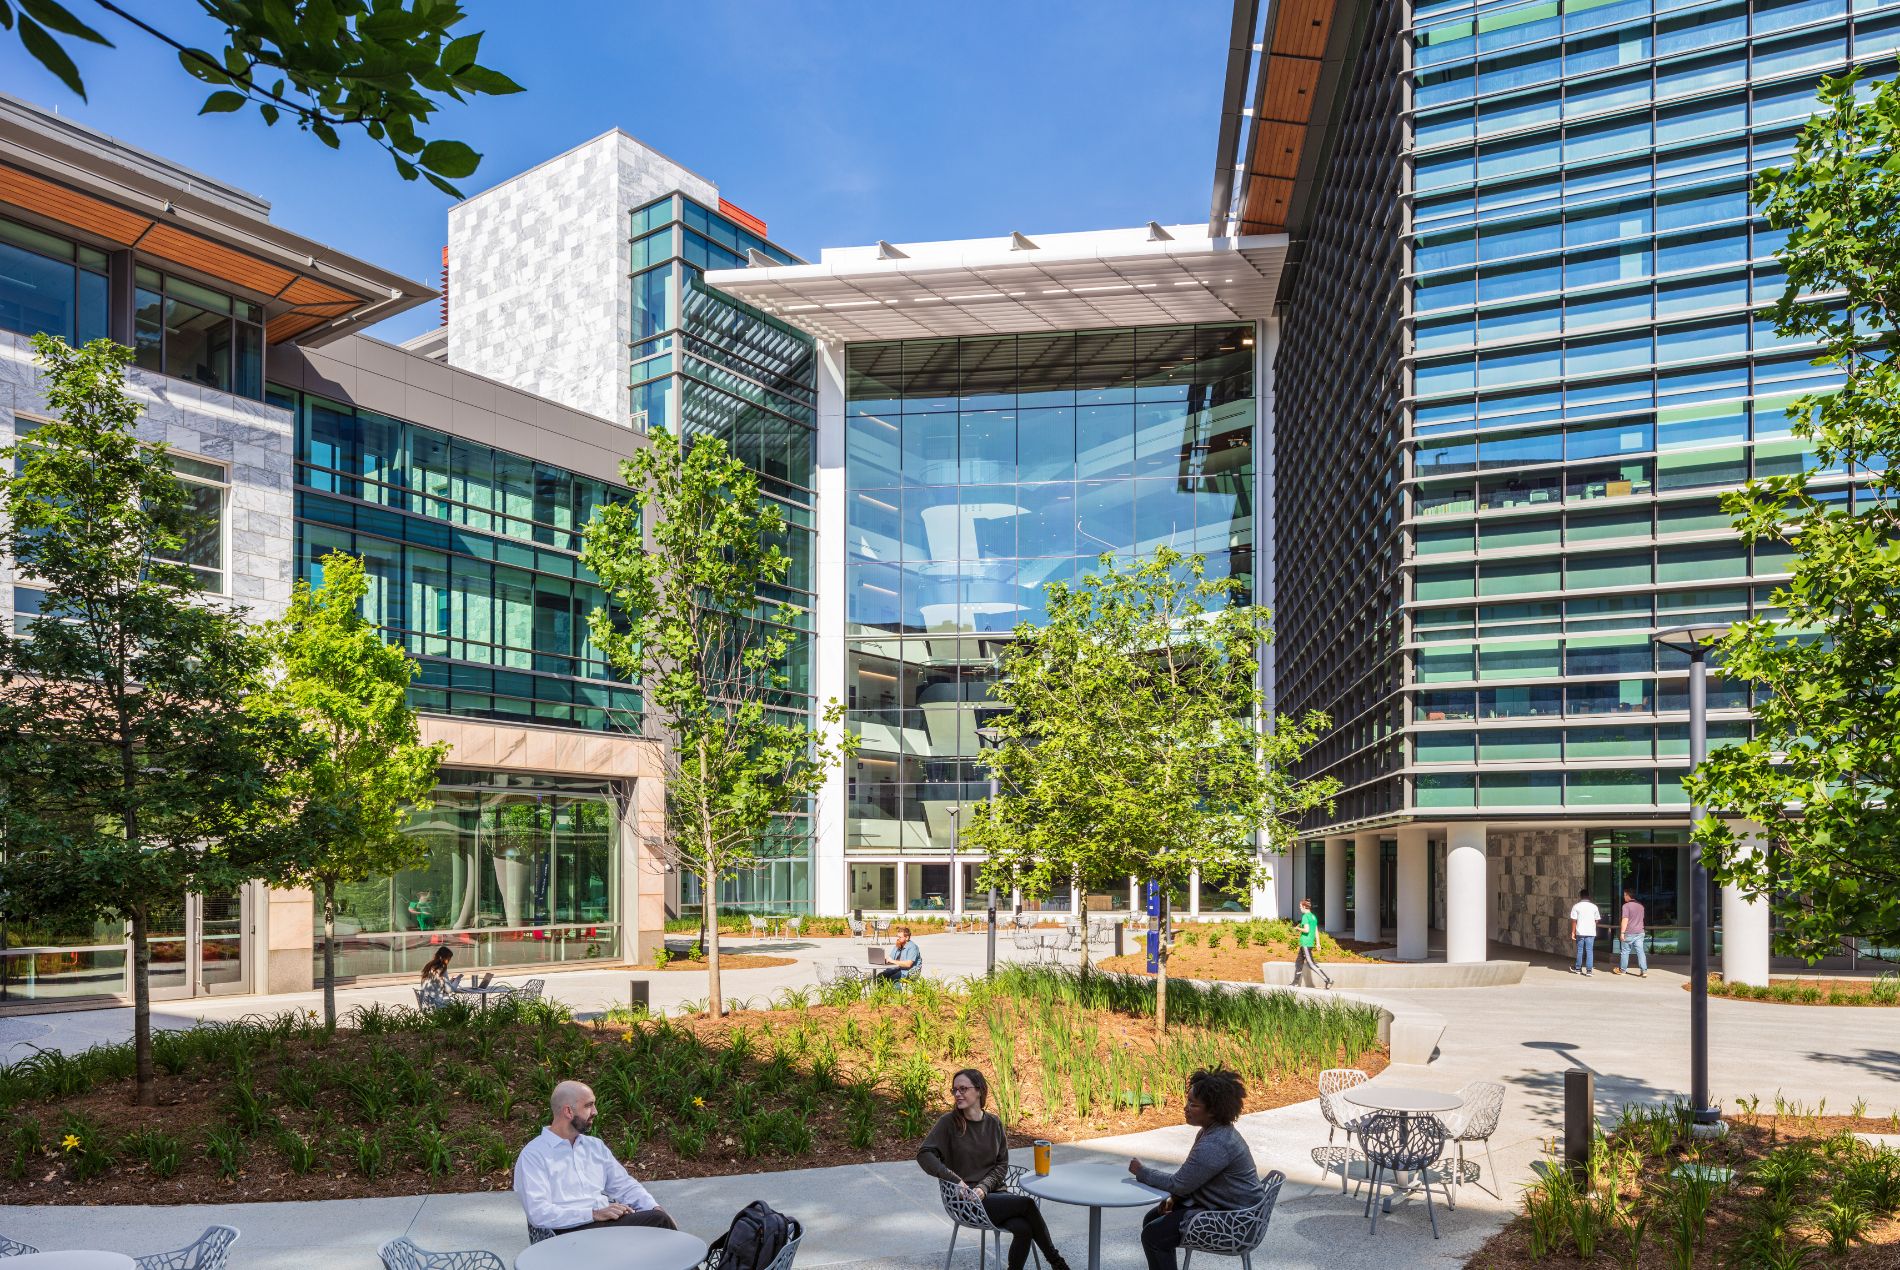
252 439
1539 873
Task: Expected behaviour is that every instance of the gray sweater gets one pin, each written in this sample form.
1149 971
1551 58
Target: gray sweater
1218 1172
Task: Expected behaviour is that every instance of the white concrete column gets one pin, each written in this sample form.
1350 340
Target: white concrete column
903 887
1334 901
1194 893
830 874
1465 893
1745 931
956 887
1365 887
1414 902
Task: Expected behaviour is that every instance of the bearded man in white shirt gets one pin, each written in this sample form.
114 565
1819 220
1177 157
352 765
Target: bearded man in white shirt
569 1180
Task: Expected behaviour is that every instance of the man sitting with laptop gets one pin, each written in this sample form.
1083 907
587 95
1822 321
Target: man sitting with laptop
906 959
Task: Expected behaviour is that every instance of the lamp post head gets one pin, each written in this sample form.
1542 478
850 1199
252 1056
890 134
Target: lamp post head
1691 641
990 732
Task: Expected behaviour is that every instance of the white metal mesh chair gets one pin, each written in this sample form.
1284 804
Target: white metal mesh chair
758 927
1476 1121
794 926
1231 1233
857 928
1333 1082
404 1254
969 1214
207 1252
529 991
1396 1144
14 1248
1023 939
786 1255
537 1233
881 926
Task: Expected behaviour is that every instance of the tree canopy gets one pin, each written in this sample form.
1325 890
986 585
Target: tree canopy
1129 737
379 66
1821 771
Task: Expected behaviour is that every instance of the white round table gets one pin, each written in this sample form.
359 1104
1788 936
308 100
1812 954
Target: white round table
613 1248
78 1259
1094 1186
1404 1101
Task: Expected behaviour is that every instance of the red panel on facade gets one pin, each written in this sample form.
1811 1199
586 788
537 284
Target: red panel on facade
739 215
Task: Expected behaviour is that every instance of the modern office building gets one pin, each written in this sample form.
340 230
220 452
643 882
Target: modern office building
1531 305
1453 377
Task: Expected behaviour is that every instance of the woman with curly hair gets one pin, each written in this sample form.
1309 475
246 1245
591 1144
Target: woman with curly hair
1217 1174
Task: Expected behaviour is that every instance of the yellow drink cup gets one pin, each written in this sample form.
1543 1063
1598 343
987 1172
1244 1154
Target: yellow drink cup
1042 1157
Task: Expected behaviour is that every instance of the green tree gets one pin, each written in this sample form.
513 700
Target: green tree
129 774
1822 769
689 620
381 66
358 767
1130 740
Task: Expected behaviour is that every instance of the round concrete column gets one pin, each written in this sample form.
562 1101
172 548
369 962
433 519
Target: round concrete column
1414 903
1464 894
1745 938
1334 902
1365 888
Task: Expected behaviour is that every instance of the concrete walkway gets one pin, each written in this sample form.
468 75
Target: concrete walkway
1631 1032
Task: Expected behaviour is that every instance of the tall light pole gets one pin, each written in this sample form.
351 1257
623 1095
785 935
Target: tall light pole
992 734
956 849
1692 642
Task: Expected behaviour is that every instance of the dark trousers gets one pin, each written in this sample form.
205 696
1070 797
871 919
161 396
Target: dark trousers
1019 1215
1304 960
1161 1235
650 1217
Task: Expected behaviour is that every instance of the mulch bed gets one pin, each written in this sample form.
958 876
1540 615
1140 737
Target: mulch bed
197 1102
727 961
1233 965
1831 992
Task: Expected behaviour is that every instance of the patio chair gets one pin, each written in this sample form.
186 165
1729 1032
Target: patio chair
537 1233
1234 1233
857 928
1333 1082
403 1254
1397 1144
758 927
881 926
207 1252
786 1255
1024 939
794 926
969 1214
14 1248
1476 1121
529 991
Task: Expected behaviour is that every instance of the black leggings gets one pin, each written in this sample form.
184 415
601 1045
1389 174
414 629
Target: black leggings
1019 1215
1161 1235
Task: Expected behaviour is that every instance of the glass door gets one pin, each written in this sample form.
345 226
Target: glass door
197 946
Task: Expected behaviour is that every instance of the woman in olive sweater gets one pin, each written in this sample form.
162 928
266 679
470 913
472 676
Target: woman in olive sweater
967 1147
1218 1172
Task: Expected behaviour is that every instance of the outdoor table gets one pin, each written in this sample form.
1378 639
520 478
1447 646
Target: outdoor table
492 990
1095 1186
613 1248
78 1259
1405 1101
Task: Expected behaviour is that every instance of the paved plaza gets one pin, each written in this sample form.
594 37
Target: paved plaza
1631 1032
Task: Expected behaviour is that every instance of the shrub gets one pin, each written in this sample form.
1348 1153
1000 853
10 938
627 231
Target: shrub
224 1147
162 1152
299 1152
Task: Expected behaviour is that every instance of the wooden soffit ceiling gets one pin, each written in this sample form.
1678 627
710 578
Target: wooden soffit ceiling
309 302
1283 113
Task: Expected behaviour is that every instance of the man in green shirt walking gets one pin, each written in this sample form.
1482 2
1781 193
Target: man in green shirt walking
1309 945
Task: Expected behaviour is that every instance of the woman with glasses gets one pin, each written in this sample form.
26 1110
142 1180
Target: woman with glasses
968 1147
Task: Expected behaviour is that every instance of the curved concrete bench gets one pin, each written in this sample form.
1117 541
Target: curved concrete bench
1410 1033
1395 976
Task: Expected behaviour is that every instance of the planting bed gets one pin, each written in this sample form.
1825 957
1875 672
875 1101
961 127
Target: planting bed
401 1102
1789 1189
1880 990
727 961
1235 951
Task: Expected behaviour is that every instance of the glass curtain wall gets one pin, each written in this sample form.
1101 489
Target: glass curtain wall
471 554
979 470
704 364
51 284
1596 362
521 871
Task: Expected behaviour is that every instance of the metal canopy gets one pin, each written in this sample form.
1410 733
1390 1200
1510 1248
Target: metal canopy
1057 282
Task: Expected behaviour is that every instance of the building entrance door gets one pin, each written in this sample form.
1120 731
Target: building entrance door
1388 885
198 946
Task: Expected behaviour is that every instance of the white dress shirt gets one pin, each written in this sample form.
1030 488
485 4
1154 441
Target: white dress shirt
562 1183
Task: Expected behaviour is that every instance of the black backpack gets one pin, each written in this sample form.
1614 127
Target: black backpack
758 1234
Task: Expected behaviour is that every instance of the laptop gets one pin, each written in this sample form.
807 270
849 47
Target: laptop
877 956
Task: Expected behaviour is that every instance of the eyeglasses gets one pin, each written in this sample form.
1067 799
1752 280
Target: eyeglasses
963 1089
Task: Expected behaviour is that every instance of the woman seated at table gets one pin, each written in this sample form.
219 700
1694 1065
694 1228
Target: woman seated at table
1217 1174
435 976
967 1147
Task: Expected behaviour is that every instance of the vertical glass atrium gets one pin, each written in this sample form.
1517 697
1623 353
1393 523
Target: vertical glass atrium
1594 363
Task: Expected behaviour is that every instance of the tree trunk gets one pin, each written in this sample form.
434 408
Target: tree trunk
142 1010
1161 968
709 881
329 954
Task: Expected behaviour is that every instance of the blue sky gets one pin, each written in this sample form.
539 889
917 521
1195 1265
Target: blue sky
838 123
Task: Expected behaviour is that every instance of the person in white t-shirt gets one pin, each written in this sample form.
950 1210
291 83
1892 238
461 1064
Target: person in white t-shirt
1584 917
